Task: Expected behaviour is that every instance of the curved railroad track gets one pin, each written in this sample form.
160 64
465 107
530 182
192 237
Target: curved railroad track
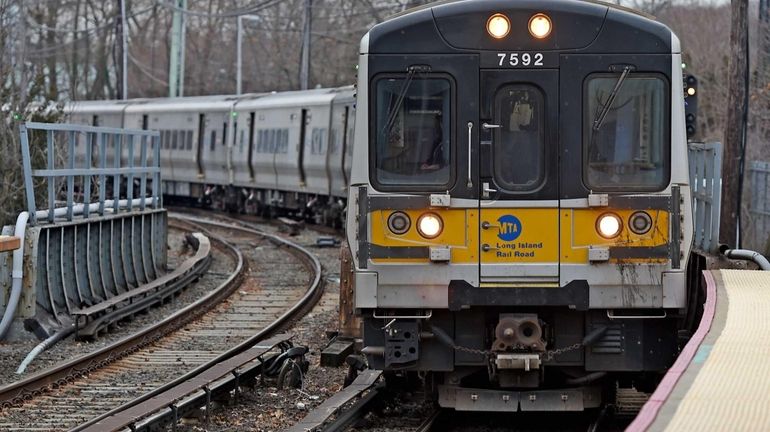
263 292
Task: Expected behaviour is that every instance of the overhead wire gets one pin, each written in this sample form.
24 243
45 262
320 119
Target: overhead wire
145 70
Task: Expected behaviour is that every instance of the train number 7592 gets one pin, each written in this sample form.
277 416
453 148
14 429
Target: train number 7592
520 59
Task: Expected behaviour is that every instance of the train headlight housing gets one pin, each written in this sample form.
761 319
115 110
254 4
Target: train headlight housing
540 25
640 223
609 225
399 222
498 26
430 225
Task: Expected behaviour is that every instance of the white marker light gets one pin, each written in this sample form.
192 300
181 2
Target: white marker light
640 223
609 225
691 91
498 26
429 225
540 26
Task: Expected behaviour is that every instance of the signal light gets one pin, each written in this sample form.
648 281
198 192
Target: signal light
691 105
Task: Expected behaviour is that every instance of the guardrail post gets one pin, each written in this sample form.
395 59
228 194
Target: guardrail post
26 161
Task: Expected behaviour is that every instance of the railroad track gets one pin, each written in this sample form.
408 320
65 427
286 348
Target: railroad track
214 333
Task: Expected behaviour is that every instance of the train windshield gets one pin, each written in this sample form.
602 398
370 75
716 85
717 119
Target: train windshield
412 131
629 150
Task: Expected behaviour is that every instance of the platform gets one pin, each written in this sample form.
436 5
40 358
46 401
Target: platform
721 380
9 243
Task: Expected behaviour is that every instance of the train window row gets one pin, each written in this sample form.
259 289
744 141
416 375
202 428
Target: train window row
273 141
176 139
318 141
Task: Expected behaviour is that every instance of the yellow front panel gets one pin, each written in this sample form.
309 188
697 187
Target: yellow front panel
460 233
578 232
523 235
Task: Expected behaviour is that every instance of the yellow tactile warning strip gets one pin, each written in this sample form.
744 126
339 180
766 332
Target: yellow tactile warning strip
726 386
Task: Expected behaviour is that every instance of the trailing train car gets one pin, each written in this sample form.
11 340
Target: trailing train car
290 155
519 212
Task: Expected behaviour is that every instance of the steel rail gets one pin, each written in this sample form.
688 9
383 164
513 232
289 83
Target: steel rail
366 381
17 393
152 402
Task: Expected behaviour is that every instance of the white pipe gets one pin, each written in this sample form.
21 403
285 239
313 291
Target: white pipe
42 346
18 254
78 209
750 255
17 275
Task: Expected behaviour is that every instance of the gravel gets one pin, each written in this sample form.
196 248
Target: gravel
266 408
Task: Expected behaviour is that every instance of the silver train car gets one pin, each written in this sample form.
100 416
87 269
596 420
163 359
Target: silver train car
273 153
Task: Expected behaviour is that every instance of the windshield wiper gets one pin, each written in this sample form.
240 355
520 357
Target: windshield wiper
393 113
613 94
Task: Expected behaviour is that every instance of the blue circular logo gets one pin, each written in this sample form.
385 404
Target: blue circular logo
510 227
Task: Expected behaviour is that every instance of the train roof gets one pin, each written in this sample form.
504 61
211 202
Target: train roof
578 26
211 103
296 98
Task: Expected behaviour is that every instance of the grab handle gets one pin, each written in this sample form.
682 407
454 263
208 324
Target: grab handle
470 145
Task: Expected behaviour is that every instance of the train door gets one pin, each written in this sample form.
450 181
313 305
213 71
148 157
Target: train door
518 178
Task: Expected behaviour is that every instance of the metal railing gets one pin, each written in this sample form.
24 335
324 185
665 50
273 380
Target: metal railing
759 184
94 157
706 189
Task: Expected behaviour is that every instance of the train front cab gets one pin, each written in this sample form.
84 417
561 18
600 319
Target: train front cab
516 242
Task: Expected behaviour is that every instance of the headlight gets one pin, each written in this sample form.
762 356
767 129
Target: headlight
640 222
429 225
399 222
498 26
609 225
540 25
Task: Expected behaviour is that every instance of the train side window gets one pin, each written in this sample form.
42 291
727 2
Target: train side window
270 142
630 148
189 140
519 148
213 143
174 137
412 132
285 148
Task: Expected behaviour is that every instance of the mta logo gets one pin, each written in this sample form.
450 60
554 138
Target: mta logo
510 227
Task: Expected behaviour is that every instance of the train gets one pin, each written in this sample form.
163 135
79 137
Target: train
512 177
519 210
286 153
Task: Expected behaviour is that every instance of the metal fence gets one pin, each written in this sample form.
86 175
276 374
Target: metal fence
97 158
759 210
706 186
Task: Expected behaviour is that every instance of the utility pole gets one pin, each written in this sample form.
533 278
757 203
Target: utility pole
304 69
21 56
735 134
764 41
123 50
238 56
176 54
